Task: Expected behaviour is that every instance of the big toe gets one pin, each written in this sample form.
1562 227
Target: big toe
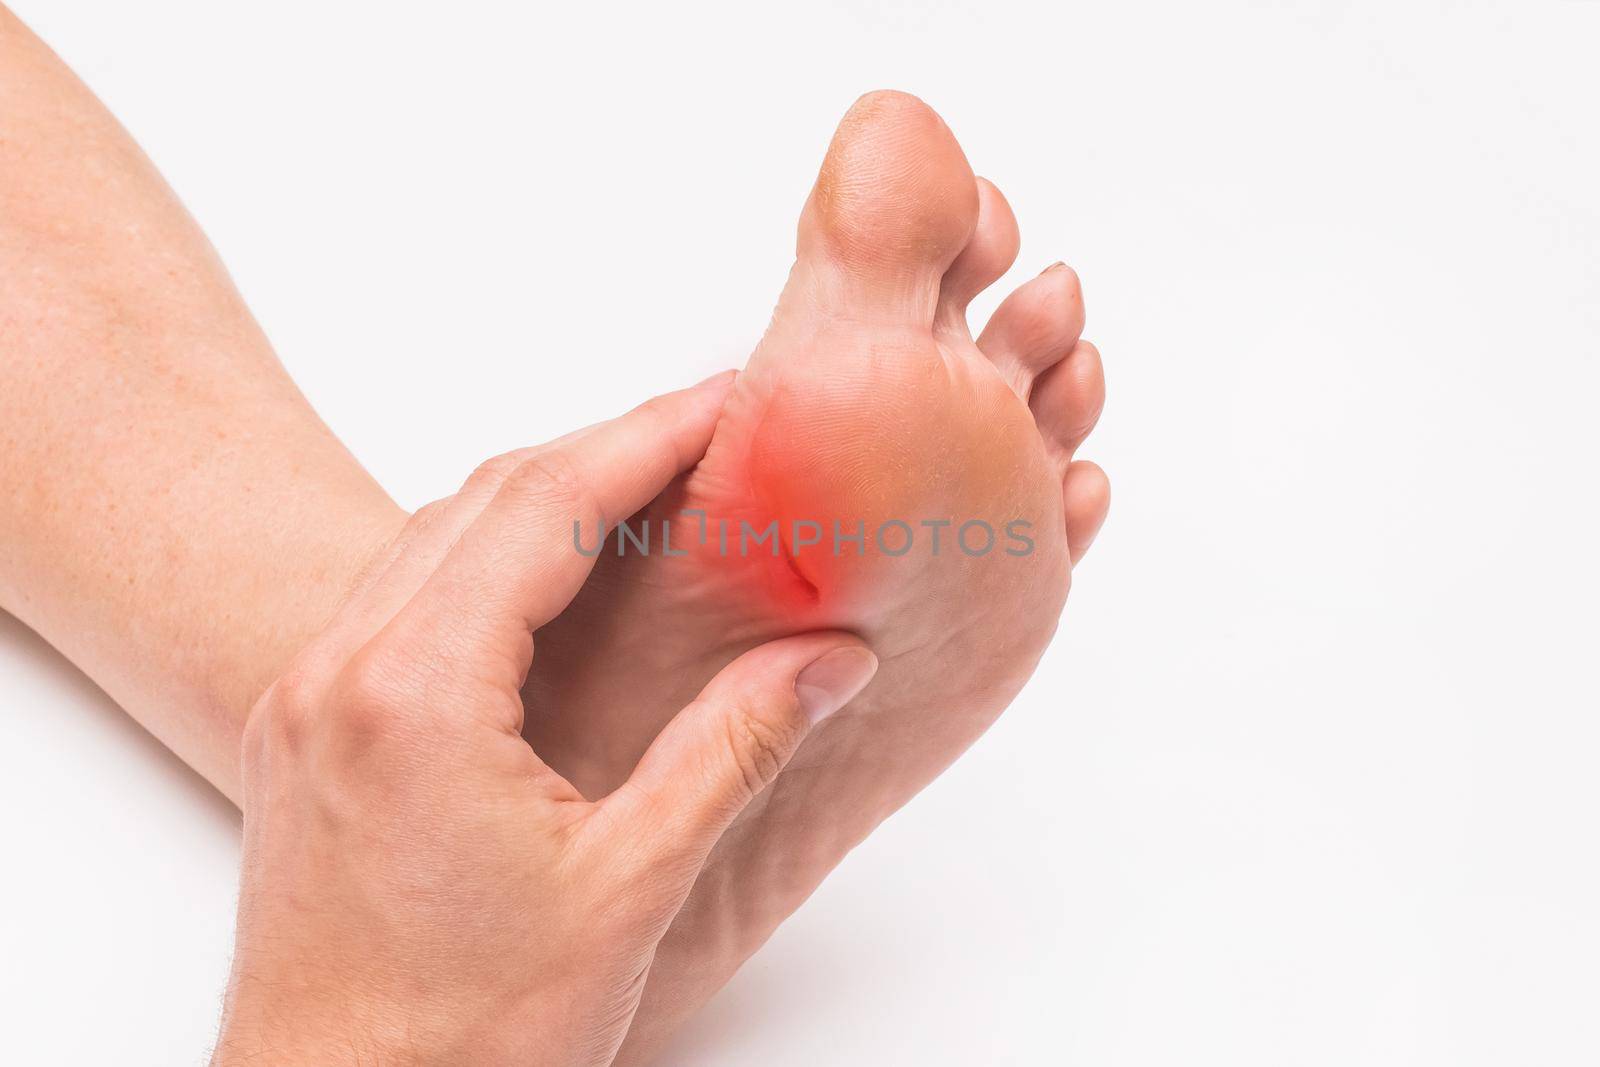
893 206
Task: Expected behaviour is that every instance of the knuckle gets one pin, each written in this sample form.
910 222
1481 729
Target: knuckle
550 478
280 724
274 726
552 483
491 473
265 739
296 688
657 419
367 698
428 514
761 745
416 526
654 411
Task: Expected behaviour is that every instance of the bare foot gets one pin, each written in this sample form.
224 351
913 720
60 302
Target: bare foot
867 409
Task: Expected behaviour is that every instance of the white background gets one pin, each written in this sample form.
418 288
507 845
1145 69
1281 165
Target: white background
1309 776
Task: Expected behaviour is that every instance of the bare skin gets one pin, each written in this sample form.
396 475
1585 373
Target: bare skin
179 523
418 886
174 517
867 401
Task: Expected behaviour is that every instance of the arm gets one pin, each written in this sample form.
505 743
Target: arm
174 517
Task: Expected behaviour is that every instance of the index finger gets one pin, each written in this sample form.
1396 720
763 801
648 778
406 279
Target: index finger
517 566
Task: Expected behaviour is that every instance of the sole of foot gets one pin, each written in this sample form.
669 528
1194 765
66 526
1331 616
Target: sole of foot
876 469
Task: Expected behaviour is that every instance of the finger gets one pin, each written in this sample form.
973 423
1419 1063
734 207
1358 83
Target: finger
728 745
396 575
512 564
424 541
415 554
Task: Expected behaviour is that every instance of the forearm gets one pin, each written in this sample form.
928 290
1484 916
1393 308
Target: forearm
173 515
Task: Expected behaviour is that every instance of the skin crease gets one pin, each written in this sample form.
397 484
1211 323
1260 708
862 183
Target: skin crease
180 524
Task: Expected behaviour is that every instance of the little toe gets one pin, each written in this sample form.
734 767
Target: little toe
1086 492
1035 327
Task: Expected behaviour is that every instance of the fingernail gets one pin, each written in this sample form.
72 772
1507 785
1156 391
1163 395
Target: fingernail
1057 265
716 379
829 683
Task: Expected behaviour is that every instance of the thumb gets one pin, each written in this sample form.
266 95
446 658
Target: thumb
729 744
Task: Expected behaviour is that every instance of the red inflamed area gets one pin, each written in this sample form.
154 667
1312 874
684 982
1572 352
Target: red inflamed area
787 564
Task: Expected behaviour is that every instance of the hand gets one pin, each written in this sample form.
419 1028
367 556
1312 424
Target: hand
418 887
